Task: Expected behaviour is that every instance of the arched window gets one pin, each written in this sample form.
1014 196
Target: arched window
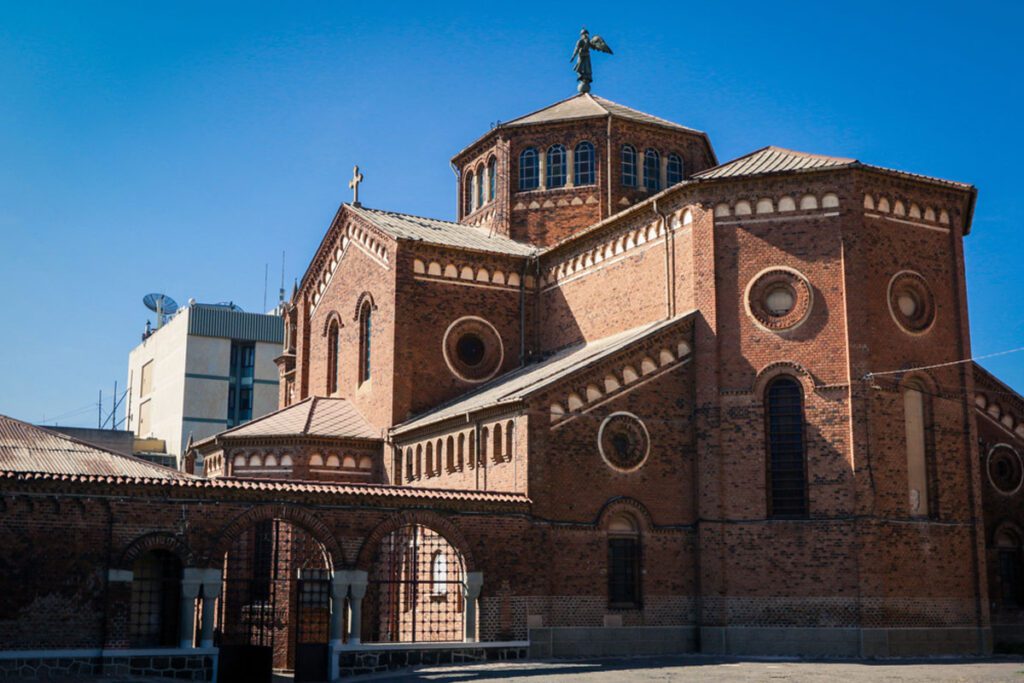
652 170
462 451
529 178
915 416
408 464
471 460
155 605
439 574
1011 576
481 187
629 165
365 339
430 459
492 183
498 443
450 452
469 185
675 169
624 568
787 476
583 164
419 462
482 451
556 166
439 457
510 428
333 353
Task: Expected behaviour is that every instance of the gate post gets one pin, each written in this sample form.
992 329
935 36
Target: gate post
358 580
211 591
191 581
471 591
339 589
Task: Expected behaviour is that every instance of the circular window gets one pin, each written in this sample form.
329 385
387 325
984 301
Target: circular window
473 349
910 302
623 441
779 299
1005 470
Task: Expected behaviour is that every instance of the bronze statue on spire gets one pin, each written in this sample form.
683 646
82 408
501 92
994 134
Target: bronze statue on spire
584 74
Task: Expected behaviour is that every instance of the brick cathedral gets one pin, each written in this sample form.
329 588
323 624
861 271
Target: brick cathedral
633 400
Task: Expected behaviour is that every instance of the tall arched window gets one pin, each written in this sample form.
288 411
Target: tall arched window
481 187
556 166
482 450
492 183
430 459
471 456
652 170
529 178
460 459
333 353
629 165
624 567
510 428
469 185
365 340
583 164
675 169
419 461
439 458
409 471
498 443
450 453
915 416
787 475
1010 574
155 600
439 574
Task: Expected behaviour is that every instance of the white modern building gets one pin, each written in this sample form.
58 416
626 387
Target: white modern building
209 368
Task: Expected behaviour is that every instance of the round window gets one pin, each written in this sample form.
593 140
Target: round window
779 299
623 441
472 349
910 302
1005 470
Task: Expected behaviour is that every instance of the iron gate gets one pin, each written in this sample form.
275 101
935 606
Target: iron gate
415 589
312 625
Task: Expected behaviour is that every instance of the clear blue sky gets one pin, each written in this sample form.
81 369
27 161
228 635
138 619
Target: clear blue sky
179 147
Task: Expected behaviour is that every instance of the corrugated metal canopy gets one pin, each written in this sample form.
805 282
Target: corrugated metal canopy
220 321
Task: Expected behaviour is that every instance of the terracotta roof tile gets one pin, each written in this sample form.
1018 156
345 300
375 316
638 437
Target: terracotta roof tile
315 416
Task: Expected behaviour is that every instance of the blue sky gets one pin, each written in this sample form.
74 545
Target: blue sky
179 147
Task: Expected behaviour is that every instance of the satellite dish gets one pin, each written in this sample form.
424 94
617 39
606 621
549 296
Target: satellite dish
162 305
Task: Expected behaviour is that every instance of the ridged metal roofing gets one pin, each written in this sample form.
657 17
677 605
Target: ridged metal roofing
406 227
27 448
217 321
316 416
586 106
518 384
773 160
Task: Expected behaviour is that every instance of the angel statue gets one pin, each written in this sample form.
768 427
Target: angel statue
582 56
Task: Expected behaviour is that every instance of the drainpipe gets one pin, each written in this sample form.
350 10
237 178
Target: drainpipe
608 164
670 303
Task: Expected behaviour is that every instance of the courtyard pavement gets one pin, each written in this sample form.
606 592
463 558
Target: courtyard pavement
706 668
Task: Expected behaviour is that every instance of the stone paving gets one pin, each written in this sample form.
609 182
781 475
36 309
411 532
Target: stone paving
706 668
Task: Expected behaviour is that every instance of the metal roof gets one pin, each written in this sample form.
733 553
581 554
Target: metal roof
529 379
585 106
416 228
219 321
27 448
773 160
334 418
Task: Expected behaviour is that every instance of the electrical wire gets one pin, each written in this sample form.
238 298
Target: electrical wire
943 365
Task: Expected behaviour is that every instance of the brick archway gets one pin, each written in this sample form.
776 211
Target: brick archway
426 518
625 504
304 519
158 540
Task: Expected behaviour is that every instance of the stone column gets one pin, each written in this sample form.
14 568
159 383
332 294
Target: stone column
357 591
471 591
339 589
570 167
542 169
664 171
211 591
191 582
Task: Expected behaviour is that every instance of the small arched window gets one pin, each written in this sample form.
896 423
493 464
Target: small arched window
482 451
418 469
624 563
652 170
481 187
439 456
155 600
365 340
439 574
430 459
333 353
492 182
556 166
510 428
471 456
529 178
787 475
583 164
629 165
450 453
469 185
674 169
408 464
498 443
462 452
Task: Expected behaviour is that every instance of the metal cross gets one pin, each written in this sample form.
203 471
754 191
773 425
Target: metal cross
357 178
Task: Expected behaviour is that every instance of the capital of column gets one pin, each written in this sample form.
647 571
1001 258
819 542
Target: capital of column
358 580
191 582
474 582
212 583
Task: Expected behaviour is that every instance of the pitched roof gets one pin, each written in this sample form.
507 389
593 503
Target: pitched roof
773 159
529 379
26 448
416 228
315 416
585 106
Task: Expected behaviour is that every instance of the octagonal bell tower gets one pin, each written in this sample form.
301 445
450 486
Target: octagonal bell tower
543 176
